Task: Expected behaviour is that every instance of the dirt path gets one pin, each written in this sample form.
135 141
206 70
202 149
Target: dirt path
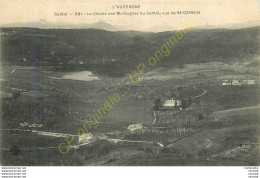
205 91
52 134
240 109
9 73
154 118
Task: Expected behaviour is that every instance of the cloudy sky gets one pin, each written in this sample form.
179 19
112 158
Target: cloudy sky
212 12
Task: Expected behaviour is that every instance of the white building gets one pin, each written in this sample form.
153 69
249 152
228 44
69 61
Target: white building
226 82
134 127
86 138
248 82
172 103
235 82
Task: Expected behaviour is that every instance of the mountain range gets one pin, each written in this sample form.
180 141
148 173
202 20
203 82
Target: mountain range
122 51
44 24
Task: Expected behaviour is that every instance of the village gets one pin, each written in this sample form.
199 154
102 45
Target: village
238 82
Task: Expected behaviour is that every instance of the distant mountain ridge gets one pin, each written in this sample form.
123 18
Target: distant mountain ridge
44 24
115 53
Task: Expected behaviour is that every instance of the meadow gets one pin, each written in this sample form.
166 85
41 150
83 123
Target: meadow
219 127
64 104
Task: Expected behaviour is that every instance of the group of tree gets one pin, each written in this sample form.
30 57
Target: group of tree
186 103
201 117
157 104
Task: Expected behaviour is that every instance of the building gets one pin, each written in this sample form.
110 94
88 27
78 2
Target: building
86 138
172 103
226 82
248 82
134 127
235 82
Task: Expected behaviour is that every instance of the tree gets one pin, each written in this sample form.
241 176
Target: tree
189 101
184 104
175 103
172 94
157 104
15 150
201 117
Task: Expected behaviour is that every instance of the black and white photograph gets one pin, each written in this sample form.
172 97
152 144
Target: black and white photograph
130 83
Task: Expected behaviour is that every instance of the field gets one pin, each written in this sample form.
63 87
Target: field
226 135
45 100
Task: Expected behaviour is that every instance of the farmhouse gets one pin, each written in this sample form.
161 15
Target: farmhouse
134 127
87 138
248 82
172 103
231 82
226 82
235 82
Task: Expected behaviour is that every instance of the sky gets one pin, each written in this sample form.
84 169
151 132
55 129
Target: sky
212 12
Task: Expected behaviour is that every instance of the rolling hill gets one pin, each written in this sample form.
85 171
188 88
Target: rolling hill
123 50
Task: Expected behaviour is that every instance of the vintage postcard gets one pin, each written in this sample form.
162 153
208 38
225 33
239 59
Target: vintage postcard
129 83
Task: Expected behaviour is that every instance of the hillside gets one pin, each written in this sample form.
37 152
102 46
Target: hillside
86 48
